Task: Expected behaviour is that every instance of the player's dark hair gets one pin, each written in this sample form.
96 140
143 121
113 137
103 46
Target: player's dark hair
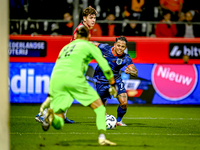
82 31
89 11
122 38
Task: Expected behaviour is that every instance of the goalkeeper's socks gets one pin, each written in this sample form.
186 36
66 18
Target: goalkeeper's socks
58 122
100 118
102 136
120 113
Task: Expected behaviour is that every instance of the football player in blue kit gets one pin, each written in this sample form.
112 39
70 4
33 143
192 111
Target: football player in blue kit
117 59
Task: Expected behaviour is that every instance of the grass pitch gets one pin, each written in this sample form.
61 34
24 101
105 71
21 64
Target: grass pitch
149 128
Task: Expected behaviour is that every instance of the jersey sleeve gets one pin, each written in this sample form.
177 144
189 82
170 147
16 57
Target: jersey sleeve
104 47
129 61
102 62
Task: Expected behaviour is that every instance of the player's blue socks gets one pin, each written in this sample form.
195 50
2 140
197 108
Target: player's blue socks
58 122
120 113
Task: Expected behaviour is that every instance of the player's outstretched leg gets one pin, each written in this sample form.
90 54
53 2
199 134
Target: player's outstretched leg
120 113
39 117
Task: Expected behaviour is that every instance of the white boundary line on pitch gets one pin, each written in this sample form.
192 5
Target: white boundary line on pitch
136 118
87 133
162 118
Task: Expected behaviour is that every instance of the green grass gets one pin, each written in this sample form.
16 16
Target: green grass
149 128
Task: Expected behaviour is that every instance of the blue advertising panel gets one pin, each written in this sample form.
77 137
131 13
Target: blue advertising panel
155 84
29 82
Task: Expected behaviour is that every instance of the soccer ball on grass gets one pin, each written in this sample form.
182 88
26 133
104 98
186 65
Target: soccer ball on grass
110 122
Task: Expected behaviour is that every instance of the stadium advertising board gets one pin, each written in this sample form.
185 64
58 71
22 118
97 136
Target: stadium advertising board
173 82
155 84
178 50
163 78
27 48
142 50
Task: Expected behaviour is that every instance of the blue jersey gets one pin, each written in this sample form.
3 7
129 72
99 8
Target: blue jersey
115 62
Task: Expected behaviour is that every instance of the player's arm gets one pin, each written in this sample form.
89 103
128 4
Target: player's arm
131 69
103 64
113 90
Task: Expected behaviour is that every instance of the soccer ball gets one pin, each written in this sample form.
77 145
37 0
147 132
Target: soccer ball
110 122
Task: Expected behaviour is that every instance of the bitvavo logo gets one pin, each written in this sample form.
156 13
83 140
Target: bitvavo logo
174 82
28 82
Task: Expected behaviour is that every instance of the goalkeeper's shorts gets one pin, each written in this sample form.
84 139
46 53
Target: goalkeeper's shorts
64 89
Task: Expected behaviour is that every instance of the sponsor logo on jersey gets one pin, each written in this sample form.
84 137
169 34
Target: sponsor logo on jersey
174 82
178 50
119 61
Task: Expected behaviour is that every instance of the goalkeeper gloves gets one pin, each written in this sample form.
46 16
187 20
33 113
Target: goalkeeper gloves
113 90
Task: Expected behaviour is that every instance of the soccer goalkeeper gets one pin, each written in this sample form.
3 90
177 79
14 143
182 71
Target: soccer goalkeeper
89 19
68 83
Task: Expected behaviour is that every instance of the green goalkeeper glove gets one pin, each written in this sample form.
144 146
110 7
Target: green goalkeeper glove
113 90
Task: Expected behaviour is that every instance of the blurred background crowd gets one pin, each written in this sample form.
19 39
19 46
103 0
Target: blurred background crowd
155 18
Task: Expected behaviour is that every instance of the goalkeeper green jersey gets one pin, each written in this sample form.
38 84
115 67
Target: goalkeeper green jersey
68 81
75 57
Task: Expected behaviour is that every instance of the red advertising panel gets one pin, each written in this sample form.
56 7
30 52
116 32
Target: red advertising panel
148 50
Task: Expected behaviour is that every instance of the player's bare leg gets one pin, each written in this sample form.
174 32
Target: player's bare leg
121 111
100 110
